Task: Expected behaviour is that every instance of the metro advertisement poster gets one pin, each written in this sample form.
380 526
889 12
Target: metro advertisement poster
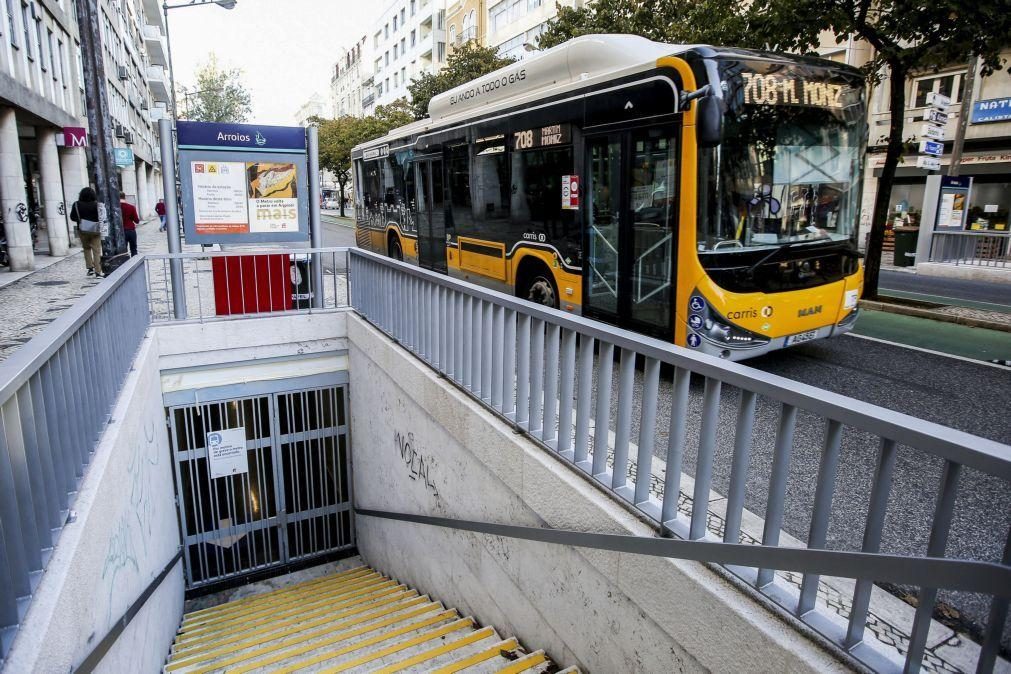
244 197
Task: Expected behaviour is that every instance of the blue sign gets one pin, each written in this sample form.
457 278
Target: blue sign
696 303
694 340
123 156
931 147
695 321
992 110
956 181
251 137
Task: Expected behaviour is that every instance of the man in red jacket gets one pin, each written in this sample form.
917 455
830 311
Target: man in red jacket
130 222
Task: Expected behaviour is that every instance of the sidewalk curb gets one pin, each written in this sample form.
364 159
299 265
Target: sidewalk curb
889 307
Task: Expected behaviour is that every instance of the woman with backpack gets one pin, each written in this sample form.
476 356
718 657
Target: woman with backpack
85 213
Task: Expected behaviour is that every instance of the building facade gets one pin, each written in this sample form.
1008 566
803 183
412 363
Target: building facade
43 125
346 91
407 40
513 26
315 106
986 156
465 21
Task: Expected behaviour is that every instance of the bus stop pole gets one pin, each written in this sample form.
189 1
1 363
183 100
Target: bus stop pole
315 222
168 174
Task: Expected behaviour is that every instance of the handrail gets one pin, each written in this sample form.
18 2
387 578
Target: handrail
952 574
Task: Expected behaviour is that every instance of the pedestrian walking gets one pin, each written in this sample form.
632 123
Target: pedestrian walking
89 228
130 222
159 208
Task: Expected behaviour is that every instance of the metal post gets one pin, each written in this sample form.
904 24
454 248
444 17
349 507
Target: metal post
168 175
315 228
172 78
963 117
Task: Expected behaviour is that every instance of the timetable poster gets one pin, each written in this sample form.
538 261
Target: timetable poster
244 197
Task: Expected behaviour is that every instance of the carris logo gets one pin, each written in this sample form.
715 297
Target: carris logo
809 311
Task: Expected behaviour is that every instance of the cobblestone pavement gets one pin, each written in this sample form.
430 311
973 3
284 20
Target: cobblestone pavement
33 302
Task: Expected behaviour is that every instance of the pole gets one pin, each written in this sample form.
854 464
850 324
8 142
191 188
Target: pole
315 228
963 117
171 72
103 170
168 175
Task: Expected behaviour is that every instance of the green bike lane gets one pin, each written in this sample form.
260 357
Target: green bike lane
924 333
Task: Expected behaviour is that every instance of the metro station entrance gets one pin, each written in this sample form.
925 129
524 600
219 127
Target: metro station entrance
261 481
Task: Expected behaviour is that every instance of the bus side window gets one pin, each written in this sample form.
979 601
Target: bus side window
460 217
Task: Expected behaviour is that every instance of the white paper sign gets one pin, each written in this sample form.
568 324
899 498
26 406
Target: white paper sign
226 452
219 197
990 208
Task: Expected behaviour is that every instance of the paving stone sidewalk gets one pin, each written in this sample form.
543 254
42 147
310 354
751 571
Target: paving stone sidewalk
31 303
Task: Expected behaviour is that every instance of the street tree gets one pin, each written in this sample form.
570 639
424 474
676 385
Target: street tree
219 95
466 63
337 137
909 37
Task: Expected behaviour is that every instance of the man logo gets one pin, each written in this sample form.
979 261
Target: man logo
767 311
809 311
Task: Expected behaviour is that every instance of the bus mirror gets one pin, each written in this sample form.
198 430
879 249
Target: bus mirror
709 122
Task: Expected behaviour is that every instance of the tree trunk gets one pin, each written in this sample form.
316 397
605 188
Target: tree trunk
340 195
882 201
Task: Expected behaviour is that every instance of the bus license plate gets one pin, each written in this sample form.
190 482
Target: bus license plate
801 337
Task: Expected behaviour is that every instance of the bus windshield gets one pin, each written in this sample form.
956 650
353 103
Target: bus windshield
789 168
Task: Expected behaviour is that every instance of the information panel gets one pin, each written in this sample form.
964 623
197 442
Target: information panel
226 452
243 183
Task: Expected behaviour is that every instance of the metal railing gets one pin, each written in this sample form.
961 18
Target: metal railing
233 284
56 395
551 375
980 249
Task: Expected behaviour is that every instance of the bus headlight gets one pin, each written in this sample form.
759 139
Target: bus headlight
715 329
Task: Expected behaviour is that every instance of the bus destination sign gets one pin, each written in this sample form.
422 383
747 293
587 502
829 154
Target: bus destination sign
546 136
381 152
794 90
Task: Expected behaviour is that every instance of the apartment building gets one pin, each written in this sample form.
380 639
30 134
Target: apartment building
348 93
408 39
465 21
513 26
43 125
315 106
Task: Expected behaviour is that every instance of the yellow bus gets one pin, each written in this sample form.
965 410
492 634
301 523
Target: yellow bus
707 196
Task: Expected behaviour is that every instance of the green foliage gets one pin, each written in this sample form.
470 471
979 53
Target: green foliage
466 63
717 22
217 97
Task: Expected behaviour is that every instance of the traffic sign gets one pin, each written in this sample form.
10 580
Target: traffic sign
939 101
929 163
935 116
932 131
931 147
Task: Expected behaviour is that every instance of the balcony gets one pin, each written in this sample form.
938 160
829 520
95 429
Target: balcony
157 83
154 42
153 13
158 111
466 35
368 101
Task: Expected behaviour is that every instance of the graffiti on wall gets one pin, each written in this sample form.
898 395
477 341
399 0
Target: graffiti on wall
418 464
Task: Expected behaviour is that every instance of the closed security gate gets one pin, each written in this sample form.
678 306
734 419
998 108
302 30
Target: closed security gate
261 481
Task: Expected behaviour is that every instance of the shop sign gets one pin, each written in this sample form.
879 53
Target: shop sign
992 110
73 136
123 156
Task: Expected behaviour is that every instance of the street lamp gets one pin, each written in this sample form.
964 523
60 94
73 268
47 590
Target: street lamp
226 4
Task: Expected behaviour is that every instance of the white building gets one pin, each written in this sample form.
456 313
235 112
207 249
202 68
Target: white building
347 93
43 161
314 106
408 39
511 24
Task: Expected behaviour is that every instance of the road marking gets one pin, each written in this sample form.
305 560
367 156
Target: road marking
930 351
942 297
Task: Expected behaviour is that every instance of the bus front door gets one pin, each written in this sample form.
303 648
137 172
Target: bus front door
630 229
431 216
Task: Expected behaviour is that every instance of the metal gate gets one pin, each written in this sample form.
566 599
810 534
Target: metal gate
291 500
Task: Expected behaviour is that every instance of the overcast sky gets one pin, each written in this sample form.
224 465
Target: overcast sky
284 47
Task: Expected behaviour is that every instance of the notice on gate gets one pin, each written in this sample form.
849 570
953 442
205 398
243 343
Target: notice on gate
226 452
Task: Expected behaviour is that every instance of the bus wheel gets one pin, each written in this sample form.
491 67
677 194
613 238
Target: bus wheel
395 251
539 287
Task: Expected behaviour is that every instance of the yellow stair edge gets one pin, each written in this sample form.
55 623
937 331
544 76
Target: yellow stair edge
494 651
524 663
432 653
294 594
280 590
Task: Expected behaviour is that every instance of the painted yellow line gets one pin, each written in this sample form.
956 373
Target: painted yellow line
279 591
271 599
524 663
389 650
308 648
438 651
476 659
274 633
258 615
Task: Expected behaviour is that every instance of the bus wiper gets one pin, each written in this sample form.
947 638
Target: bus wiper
768 258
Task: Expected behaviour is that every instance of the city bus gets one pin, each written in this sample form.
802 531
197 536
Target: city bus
706 196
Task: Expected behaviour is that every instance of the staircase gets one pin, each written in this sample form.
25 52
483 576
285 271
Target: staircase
354 621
